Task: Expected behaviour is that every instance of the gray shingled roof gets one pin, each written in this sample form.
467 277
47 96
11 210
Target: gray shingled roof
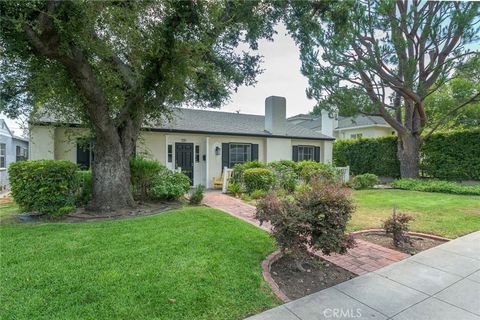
217 122
359 120
230 123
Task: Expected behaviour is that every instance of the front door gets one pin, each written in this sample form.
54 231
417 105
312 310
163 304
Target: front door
184 158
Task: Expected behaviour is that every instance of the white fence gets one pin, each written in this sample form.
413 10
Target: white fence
345 173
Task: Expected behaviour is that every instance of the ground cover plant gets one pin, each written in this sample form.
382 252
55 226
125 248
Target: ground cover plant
447 215
194 263
436 186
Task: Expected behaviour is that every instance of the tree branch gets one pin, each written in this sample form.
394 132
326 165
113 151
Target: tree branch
473 99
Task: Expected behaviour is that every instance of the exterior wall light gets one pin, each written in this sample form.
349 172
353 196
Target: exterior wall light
217 150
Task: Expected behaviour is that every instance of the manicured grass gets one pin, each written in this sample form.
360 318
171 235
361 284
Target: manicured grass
194 263
442 214
8 212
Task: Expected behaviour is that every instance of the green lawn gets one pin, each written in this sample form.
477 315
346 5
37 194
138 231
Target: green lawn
194 263
7 212
442 214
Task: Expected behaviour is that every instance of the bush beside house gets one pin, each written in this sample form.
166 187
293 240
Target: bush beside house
46 186
257 178
55 187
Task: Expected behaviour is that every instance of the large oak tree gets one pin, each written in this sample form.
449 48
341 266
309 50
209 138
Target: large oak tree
385 58
113 65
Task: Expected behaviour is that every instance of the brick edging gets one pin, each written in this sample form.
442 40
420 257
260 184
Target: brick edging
412 233
266 266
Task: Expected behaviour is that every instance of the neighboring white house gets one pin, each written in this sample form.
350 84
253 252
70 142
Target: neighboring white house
200 142
12 149
360 126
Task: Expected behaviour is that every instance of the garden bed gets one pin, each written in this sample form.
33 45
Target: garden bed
82 214
420 242
318 275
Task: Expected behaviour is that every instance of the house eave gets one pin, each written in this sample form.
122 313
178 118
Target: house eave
73 125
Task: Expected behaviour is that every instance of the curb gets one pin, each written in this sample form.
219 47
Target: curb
266 266
411 233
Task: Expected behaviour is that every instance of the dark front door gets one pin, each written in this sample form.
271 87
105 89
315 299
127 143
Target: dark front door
184 158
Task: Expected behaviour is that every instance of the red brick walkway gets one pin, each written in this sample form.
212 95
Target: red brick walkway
364 258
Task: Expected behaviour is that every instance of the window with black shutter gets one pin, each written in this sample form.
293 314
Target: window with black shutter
235 152
306 152
84 153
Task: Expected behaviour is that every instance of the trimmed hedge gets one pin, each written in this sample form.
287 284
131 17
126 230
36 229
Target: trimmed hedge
452 156
46 186
368 155
449 156
436 186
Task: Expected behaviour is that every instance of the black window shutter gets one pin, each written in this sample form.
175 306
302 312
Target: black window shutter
225 155
295 153
83 155
317 154
254 152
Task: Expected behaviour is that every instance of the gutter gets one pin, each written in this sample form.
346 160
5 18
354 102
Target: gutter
71 125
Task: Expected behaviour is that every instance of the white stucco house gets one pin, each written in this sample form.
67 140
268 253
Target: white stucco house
360 126
200 142
12 148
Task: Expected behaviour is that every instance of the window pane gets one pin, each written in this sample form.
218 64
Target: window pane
239 153
306 153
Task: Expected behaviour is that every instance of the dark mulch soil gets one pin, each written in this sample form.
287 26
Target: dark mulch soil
82 214
418 244
319 274
142 209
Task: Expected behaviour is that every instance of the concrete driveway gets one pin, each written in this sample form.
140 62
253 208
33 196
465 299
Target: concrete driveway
440 283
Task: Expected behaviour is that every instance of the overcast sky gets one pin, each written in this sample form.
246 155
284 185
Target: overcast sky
281 77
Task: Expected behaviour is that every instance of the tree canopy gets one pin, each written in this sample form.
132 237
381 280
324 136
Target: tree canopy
385 58
114 65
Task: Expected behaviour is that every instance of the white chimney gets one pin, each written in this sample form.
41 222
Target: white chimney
328 124
276 115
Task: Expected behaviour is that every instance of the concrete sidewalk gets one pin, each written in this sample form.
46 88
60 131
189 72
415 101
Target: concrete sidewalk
440 283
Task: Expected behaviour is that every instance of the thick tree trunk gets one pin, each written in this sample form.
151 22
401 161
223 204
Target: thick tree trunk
409 155
111 179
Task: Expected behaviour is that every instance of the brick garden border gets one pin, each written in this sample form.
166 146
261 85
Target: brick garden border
267 276
411 233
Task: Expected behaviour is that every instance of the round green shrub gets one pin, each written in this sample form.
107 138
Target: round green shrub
169 186
364 181
308 169
46 186
239 168
258 179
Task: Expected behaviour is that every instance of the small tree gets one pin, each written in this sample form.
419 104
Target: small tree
315 218
397 226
